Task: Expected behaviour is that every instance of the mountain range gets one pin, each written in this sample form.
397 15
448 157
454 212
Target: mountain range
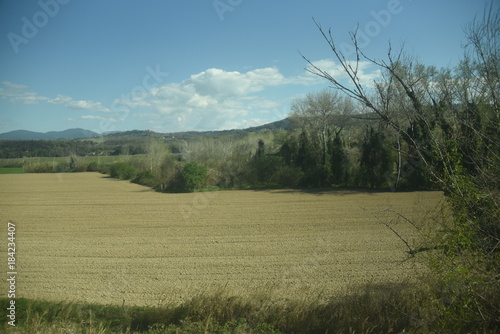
81 133
52 135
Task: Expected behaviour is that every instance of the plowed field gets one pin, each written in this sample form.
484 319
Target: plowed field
87 237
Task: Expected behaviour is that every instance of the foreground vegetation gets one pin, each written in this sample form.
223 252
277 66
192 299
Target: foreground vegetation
372 308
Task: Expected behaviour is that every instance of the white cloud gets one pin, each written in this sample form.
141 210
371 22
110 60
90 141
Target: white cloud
212 99
14 86
366 72
329 66
222 84
60 99
98 118
16 93
86 105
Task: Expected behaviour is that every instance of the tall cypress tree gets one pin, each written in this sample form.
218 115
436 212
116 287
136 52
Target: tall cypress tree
338 160
304 155
375 160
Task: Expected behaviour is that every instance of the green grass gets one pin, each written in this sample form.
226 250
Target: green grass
62 164
11 170
373 308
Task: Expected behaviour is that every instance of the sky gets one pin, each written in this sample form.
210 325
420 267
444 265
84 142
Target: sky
183 65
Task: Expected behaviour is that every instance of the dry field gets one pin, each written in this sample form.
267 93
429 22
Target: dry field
86 237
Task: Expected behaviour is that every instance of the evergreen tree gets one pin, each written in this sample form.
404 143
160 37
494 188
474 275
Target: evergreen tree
261 149
338 158
289 152
375 160
305 160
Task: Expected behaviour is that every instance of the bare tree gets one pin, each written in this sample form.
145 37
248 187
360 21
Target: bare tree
452 123
156 152
323 114
483 54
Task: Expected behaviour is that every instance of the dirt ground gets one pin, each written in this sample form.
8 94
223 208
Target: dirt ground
86 237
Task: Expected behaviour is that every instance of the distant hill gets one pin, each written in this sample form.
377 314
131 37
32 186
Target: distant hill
284 124
31 135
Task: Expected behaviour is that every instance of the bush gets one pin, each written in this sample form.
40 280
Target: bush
62 167
289 176
146 178
104 169
92 167
272 170
193 176
38 167
123 171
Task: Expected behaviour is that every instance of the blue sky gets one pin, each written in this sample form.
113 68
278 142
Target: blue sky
177 65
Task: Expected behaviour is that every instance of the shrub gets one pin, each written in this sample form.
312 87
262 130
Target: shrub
146 178
38 167
62 167
272 170
104 169
123 171
92 167
193 176
289 176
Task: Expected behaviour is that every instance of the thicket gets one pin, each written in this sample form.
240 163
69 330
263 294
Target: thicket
446 124
191 177
123 171
68 164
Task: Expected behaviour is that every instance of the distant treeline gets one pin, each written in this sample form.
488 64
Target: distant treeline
12 149
364 156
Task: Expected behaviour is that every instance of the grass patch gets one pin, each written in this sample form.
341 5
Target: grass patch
64 164
371 308
11 170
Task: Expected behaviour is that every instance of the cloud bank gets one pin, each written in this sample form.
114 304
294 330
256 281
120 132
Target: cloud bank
213 99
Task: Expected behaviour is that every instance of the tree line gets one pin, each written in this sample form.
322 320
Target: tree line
16 149
445 124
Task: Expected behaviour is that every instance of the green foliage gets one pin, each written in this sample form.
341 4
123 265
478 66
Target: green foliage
210 326
37 166
11 170
76 164
381 308
338 161
10 149
468 270
123 171
271 170
375 160
192 176
310 160
92 167
306 158
62 167
146 178
289 151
